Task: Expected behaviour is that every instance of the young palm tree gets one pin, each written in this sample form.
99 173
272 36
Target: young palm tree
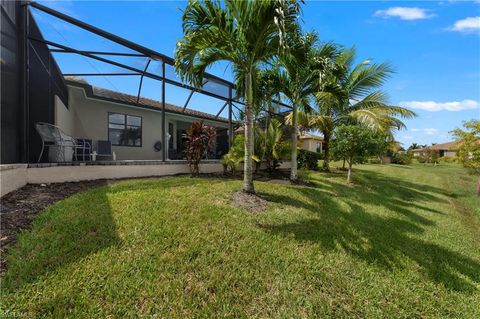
351 94
300 71
243 33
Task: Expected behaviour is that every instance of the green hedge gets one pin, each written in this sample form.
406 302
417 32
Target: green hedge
307 159
448 159
401 158
374 160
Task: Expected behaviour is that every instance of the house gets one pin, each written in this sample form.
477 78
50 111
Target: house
36 88
313 143
448 149
96 114
42 82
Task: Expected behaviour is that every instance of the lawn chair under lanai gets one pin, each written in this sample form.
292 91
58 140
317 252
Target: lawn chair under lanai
52 136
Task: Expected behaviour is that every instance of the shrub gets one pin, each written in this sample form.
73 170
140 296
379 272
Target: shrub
374 160
431 156
308 159
200 140
401 158
448 159
235 155
271 147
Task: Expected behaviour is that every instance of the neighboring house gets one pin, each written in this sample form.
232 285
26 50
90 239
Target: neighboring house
134 129
444 149
311 143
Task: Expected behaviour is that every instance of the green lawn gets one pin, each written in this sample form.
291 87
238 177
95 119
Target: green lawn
404 241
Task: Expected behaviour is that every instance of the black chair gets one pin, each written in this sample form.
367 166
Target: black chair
172 154
85 153
104 148
53 137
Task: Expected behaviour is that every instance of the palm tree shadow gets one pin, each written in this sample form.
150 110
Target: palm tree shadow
380 240
64 233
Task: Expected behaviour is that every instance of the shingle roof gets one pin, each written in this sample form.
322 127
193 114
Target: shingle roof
446 146
449 146
109 95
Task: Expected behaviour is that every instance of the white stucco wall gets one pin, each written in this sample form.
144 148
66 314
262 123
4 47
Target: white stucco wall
12 177
88 118
450 154
309 145
60 174
64 117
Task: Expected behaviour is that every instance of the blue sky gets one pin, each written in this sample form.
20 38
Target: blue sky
434 47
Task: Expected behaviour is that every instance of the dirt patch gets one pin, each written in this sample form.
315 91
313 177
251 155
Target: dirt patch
18 208
251 202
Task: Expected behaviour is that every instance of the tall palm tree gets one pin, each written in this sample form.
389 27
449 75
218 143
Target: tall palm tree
243 33
351 94
300 70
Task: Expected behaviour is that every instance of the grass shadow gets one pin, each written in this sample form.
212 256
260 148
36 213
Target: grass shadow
387 240
63 233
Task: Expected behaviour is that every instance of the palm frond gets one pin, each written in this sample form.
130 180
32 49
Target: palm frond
321 122
367 77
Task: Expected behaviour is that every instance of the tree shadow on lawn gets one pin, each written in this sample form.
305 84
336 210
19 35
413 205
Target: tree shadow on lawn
387 241
74 228
64 233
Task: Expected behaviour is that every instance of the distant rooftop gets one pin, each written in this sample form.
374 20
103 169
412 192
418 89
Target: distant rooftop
310 136
449 146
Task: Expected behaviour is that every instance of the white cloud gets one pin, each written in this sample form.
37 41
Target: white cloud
467 25
428 131
404 13
433 106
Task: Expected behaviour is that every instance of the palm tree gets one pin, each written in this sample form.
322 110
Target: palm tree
300 70
414 146
273 147
351 94
243 33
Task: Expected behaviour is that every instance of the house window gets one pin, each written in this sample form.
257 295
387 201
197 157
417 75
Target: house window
319 147
124 130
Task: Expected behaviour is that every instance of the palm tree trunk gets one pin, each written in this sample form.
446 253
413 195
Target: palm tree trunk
248 165
293 171
265 138
326 149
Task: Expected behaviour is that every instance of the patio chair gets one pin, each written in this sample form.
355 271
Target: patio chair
86 153
104 148
53 136
172 154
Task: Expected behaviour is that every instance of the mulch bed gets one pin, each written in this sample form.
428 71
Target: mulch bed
251 202
18 208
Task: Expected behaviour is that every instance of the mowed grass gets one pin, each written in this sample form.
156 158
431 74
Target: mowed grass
404 241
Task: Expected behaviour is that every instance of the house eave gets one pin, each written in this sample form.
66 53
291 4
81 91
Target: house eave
89 94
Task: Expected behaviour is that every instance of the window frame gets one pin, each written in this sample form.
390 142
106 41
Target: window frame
125 115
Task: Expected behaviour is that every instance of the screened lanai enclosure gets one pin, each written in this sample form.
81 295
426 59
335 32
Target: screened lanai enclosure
101 89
